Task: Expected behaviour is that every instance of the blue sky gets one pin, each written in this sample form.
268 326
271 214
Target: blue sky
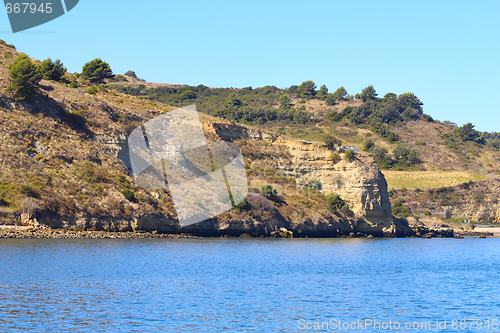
445 52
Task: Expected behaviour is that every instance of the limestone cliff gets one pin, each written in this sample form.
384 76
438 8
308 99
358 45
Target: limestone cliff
360 182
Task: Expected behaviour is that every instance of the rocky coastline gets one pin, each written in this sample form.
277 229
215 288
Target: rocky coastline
46 232
41 232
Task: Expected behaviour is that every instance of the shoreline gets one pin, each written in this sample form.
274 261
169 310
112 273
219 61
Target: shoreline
24 232
31 232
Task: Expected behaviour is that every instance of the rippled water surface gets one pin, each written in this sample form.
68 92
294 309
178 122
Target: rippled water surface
245 285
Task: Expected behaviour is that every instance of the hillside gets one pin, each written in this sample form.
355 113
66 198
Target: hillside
64 158
447 155
64 165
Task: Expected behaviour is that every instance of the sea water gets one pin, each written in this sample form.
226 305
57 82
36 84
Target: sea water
250 285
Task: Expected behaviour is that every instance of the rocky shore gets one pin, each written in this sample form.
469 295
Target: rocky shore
44 232
32 232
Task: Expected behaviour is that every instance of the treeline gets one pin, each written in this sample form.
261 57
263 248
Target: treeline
382 113
25 76
467 133
235 111
246 105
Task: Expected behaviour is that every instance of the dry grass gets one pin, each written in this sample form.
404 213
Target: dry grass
319 107
427 179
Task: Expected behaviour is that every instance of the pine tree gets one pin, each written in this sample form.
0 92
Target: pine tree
24 77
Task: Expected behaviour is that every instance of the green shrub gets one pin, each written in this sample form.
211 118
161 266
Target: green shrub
242 205
29 191
307 89
122 180
92 90
334 201
118 78
96 71
131 74
368 144
335 157
466 185
233 100
269 191
384 131
405 154
52 70
350 155
188 94
129 195
399 210
332 142
427 212
285 101
91 173
131 127
330 99
74 84
24 77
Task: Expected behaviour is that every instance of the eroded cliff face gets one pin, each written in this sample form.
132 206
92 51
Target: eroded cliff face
360 182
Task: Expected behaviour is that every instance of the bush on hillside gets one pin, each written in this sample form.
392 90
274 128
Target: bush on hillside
322 92
96 71
24 77
285 101
131 74
92 90
129 195
335 157
350 155
334 201
269 192
52 70
307 89
331 142
399 210
118 78
368 144
340 94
